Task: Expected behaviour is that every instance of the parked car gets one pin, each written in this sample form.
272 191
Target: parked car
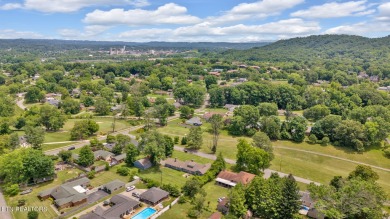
130 188
26 192
71 148
135 194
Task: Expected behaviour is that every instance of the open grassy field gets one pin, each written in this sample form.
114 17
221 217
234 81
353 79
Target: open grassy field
307 165
32 199
105 125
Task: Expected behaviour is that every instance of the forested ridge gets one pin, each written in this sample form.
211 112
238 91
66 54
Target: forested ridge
323 47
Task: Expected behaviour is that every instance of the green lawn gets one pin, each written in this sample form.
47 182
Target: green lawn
46 147
105 125
213 193
166 175
108 176
32 199
318 168
372 156
306 165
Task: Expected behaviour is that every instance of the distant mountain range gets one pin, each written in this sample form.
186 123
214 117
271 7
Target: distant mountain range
27 44
318 47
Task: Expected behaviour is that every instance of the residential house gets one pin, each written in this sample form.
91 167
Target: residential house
306 199
143 164
215 215
208 115
231 107
52 101
255 67
120 206
314 213
109 146
76 92
154 196
215 73
242 66
195 121
242 80
23 142
116 108
230 179
374 78
223 206
113 186
177 105
118 159
218 70
187 166
68 194
103 155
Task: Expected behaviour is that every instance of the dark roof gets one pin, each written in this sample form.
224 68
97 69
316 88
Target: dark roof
154 195
122 204
91 215
102 153
194 120
109 146
65 193
120 157
115 184
188 165
145 162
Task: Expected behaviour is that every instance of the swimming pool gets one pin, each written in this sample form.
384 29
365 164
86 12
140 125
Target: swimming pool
144 214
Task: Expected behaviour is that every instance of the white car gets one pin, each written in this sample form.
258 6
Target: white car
130 188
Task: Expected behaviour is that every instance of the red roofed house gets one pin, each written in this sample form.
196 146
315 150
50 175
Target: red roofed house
230 179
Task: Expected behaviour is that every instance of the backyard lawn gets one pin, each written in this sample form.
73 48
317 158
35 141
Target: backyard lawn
33 200
213 193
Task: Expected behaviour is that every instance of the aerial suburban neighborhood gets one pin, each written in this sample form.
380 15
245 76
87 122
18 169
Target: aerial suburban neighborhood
140 109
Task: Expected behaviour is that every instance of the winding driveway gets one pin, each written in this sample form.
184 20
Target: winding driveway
3 213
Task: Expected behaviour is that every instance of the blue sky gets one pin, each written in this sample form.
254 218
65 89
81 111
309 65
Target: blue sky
191 20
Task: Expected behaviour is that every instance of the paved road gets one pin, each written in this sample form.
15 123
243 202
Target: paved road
267 172
3 204
335 157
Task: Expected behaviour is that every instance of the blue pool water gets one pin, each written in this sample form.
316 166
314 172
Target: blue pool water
144 214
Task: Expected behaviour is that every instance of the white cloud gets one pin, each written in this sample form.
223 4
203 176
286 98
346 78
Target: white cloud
167 14
384 12
11 6
15 34
255 10
66 6
236 33
371 29
335 9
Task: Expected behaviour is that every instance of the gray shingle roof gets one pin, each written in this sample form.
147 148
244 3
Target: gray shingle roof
115 184
154 195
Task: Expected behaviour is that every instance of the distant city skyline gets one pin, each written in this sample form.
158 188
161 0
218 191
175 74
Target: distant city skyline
191 20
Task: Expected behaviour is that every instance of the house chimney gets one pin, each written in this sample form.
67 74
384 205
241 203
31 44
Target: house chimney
175 159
